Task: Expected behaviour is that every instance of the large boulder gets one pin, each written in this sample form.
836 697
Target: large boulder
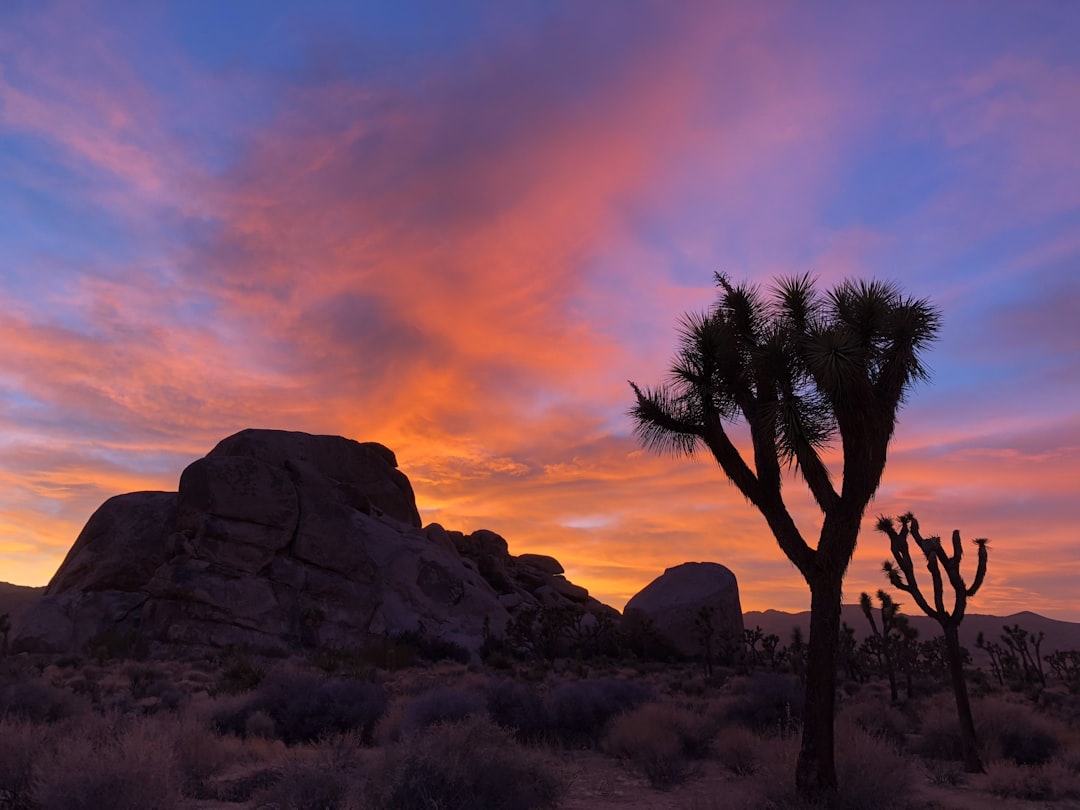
284 541
693 609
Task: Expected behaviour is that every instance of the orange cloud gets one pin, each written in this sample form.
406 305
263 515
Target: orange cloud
468 268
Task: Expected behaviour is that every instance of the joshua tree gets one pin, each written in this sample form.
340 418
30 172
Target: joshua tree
1016 639
902 576
799 368
5 628
886 637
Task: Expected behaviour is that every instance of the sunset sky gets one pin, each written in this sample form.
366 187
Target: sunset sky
460 228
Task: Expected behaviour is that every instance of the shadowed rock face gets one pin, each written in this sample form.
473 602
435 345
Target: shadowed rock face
672 607
283 541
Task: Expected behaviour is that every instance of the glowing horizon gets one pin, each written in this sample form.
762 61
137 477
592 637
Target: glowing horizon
460 234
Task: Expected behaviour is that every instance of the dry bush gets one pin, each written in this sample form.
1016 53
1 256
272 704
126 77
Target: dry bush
199 753
767 702
939 730
465 765
1053 781
659 740
444 704
21 743
388 729
305 706
108 762
873 713
577 711
323 779
1014 731
259 724
518 706
40 701
738 749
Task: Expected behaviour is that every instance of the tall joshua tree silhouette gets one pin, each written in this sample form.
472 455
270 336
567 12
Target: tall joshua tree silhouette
798 367
902 576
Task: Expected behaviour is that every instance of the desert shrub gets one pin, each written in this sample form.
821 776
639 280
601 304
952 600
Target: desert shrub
307 783
116 643
103 762
1050 782
1015 732
517 706
659 740
878 718
939 730
198 753
238 672
465 765
305 706
765 702
441 705
578 710
39 702
20 745
259 724
737 749
1028 746
142 678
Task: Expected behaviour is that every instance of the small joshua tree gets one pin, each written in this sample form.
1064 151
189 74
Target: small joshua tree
887 637
902 576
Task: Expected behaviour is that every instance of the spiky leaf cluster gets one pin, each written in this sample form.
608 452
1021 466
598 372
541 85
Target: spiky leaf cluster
792 362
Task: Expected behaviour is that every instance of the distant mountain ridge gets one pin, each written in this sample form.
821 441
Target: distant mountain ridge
1059 635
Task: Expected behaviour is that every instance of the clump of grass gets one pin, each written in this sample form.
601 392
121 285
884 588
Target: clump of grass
464 765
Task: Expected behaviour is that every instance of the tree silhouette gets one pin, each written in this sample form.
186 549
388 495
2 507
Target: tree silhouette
887 637
798 367
5 628
902 576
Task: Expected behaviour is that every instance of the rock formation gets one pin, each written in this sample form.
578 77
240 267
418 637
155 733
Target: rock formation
284 541
693 609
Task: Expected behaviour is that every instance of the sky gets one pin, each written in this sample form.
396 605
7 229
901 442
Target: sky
460 229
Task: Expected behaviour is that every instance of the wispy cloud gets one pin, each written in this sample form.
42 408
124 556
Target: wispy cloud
464 252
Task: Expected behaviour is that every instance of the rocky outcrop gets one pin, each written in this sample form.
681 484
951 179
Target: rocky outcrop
283 541
693 609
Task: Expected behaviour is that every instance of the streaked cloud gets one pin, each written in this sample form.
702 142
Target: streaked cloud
463 248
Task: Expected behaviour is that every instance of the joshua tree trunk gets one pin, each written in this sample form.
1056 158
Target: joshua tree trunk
815 771
972 763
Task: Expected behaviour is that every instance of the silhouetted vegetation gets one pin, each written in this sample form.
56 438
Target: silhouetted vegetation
799 368
938 561
74 733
